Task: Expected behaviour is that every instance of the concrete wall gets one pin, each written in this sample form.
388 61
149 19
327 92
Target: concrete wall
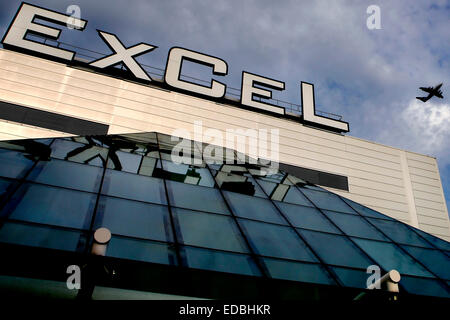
401 184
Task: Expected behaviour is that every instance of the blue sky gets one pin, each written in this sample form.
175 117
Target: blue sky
371 77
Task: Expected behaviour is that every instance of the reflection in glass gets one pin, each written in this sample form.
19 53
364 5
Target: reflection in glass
306 217
134 219
134 187
53 206
77 152
336 250
141 250
434 260
41 236
297 271
399 232
354 225
389 257
14 164
195 197
208 230
187 174
253 208
285 193
67 174
329 201
276 241
363 210
220 261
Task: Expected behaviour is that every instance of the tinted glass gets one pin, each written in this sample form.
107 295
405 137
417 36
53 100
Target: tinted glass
133 218
438 243
354 225
337 250
253 207
329 201
67 174
351 277
141 250
14 164
41 236
399 232
427 287
362 210
306 217
297 271
53 206
134 187
196 197
285 193
208 230
276 241
187 174
244 184
434 260
124 161
78 152
389 257
220 261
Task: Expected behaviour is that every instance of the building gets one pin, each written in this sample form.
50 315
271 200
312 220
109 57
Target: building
86 147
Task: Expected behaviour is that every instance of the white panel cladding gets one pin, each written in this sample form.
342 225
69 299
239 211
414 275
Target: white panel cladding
375 172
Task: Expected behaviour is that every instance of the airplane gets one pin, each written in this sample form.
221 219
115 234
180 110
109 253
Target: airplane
431 92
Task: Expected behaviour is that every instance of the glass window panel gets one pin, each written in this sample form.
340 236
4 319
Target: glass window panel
49 205
134 187
124 161
67 174
426 287
253 207
208 230
438 243
276 241
297 271
187 174
362 210
285 193
149 166
141 250
434 260
294 180
41 236
274 177
326 200
336 250
14 164
5 186
220 261
306 217
135 219
389 257
244 184
351 277
77 152
196 197
399 232
355 225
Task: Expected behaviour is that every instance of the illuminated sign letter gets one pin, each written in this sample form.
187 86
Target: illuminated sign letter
173 72
24 23
309 110
123 55
249 91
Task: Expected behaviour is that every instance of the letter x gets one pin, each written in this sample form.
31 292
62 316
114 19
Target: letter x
124 55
